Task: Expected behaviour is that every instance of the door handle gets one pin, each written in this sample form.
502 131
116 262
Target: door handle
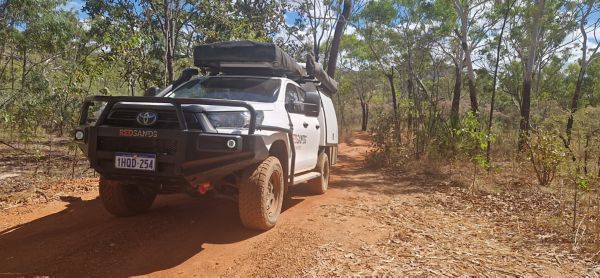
305 125
317 126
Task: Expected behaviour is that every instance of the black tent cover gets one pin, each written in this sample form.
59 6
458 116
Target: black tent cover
236 56
254 58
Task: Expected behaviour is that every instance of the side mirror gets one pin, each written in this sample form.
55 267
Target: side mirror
185 76
152 91
312 104
295 107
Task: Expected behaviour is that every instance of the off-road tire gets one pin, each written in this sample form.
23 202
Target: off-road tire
124 199
319 185
261 194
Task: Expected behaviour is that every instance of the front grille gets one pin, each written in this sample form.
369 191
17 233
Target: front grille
167 119
157 146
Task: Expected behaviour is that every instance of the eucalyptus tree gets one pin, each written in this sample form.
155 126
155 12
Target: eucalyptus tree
317 18
539 31
320 25
340 26
171 17
128 41
359 74
474 25
376 26
25 28
589 22
141 31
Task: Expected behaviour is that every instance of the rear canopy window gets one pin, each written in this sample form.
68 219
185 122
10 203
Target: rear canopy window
232 88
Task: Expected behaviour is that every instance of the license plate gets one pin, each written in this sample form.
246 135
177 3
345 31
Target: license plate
135 161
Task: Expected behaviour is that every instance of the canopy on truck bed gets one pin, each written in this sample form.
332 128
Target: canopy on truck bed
254 58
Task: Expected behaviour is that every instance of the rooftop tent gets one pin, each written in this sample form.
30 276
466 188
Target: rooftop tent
254 58
246 57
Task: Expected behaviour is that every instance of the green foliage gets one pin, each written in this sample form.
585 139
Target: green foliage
380 12
546 153
472 140
50 59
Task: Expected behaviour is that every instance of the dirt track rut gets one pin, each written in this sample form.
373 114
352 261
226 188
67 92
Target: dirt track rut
366 224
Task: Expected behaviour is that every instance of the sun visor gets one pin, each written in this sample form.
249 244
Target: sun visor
247 58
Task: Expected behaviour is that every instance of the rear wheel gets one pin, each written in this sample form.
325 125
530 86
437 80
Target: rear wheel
261 194
125 199
320 184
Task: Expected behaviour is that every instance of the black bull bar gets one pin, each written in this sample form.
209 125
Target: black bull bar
176 102
179 166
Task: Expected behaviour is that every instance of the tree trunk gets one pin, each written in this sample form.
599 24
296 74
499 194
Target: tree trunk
525 112
473 93
410 88
316 47
534 35
342 119
390 78
493 101
456 95
365 114
337 37
24 71
169 36
582 71
574 103
463 12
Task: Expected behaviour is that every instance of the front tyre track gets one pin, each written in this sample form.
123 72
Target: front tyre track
123 199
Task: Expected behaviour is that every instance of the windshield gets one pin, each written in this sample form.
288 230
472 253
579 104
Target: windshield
232 88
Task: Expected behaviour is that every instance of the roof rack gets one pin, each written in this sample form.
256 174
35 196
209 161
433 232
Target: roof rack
264 59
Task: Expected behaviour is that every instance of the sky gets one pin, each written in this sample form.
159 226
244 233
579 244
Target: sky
76 6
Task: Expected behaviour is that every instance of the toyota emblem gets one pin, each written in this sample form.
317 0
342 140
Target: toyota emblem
147 118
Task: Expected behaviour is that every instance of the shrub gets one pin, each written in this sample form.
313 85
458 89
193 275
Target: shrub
387 142
545 152
472 140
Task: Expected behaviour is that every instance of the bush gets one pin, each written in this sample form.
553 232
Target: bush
472 140
387 142
545 152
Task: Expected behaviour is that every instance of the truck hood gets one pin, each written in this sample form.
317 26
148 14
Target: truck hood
258 106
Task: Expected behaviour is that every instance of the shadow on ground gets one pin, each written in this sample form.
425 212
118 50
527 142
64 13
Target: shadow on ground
83 240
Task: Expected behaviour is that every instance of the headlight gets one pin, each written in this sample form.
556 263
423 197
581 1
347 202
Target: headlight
233 119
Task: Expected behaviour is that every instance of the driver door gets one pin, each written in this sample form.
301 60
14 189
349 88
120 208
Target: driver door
306 132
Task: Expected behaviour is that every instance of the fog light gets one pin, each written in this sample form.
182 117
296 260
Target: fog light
79 135
231 143
203 188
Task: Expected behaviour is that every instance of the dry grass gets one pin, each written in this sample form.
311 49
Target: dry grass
40 172
509 193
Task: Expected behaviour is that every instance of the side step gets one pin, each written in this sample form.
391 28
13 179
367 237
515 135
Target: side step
305 177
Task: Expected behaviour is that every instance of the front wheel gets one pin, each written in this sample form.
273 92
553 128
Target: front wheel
125 199
261 195
320 184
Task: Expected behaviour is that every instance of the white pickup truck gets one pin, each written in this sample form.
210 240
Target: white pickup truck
256 124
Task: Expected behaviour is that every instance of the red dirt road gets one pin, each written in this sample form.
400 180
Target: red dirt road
365 225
